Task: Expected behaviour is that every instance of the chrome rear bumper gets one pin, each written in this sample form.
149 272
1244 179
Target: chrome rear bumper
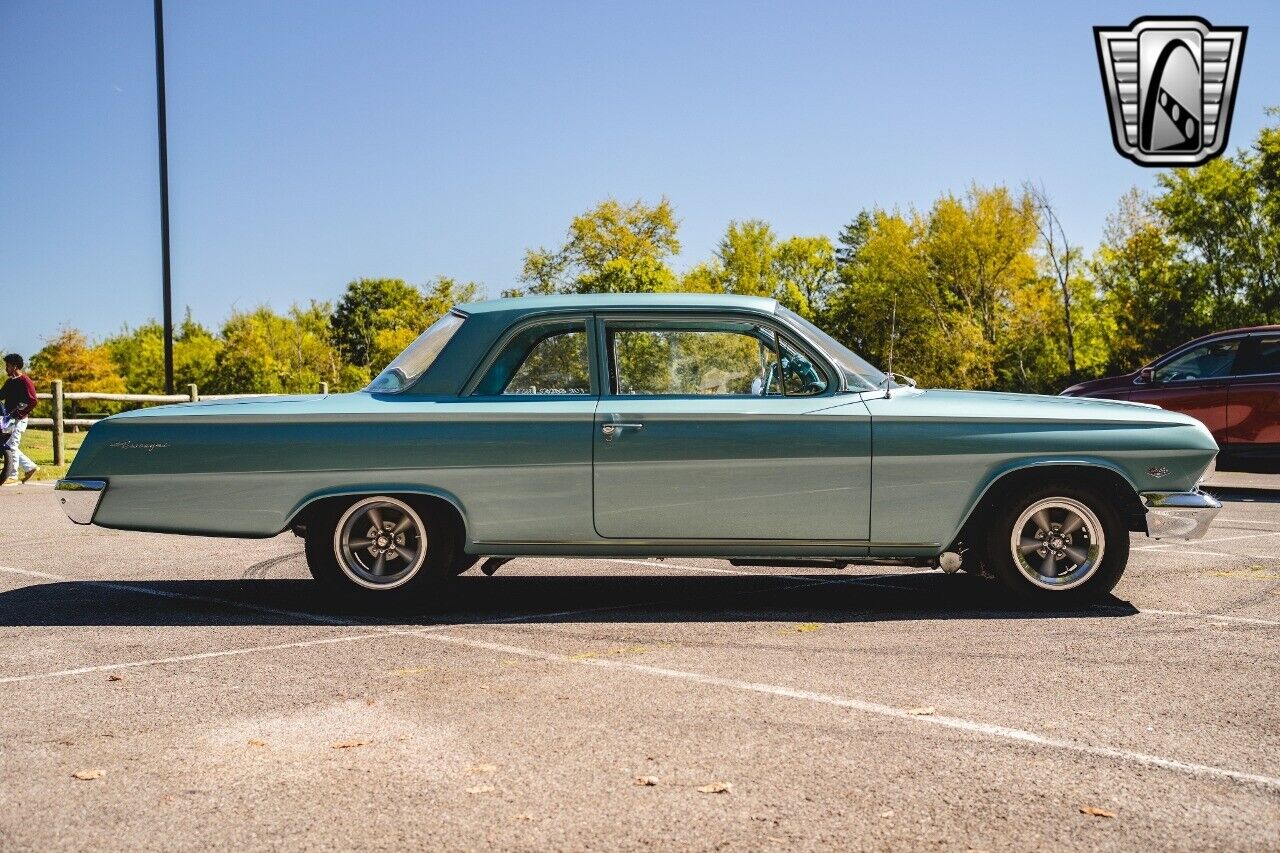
79 498
1179 515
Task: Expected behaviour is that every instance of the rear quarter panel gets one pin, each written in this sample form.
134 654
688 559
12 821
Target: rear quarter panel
520 468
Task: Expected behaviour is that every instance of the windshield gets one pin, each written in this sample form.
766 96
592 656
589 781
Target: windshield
417 357
859 374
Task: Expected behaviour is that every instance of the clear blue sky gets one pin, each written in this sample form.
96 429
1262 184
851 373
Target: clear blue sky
312 143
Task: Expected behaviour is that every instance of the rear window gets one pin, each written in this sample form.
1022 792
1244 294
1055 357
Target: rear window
417 357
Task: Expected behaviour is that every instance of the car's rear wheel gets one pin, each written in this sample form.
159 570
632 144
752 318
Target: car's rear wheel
379 546
1058 544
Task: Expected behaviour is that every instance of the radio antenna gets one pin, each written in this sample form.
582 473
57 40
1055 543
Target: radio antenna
893 333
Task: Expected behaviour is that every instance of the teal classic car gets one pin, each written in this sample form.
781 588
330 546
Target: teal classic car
654 425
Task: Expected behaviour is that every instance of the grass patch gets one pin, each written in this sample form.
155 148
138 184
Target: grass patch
38 444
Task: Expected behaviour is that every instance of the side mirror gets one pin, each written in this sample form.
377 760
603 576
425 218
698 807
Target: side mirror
1147 376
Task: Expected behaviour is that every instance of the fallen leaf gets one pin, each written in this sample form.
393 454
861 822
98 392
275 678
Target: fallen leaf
807 627
484 768
716 788
646 781
115 678
86 775
348 744
924 711
255 742
480 789
1094 811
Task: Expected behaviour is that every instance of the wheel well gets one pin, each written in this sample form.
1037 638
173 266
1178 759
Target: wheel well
437 508
1106 481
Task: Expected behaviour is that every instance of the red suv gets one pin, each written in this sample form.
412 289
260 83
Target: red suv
1228 380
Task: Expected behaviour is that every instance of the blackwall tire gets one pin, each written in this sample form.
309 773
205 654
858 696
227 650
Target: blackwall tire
1058 544
379 548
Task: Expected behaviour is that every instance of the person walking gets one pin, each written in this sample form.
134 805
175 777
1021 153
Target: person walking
18 395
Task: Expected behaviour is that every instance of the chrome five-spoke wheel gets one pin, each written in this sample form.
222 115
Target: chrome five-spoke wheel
380 542
1057 543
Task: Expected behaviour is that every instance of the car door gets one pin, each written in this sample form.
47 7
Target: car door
1253 400
703 432
1194 382
520 436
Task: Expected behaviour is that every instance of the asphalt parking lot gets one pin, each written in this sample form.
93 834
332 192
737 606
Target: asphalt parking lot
205 697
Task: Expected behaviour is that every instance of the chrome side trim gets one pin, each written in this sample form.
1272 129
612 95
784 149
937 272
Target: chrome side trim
79 498
1179 515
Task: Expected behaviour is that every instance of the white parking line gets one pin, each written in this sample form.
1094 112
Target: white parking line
1221 554
222 653
1220 519
958 723
381 631
205 599
1247 620
1208 541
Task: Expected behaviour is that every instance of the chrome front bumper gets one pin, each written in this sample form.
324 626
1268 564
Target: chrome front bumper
79 498
1179 515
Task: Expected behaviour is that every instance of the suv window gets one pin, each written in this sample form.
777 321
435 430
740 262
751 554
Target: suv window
1206 361
546 359
1266 356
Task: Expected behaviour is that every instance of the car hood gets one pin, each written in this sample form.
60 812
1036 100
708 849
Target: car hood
991 405
1124 382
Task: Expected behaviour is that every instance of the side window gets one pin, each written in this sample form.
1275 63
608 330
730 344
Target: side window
1206 361
1266 356
802 377
548 359
720 359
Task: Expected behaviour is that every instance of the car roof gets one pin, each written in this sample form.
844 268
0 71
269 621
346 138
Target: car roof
1246 330
602 301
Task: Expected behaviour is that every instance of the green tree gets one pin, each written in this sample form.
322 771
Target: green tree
139 355
807 273
1225 215
265 352
747 257
377 318
370 306
612 248
80 365
1155 295
954 296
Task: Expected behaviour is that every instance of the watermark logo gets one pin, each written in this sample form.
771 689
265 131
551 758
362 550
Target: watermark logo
1170 86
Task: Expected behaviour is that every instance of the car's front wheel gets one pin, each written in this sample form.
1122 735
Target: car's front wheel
377 545
1058 544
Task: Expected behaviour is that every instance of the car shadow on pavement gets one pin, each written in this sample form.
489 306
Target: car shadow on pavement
470 600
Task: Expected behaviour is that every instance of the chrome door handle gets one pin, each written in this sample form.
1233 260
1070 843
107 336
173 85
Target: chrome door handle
612 429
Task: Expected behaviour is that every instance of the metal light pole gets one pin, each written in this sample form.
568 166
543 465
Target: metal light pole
162 127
